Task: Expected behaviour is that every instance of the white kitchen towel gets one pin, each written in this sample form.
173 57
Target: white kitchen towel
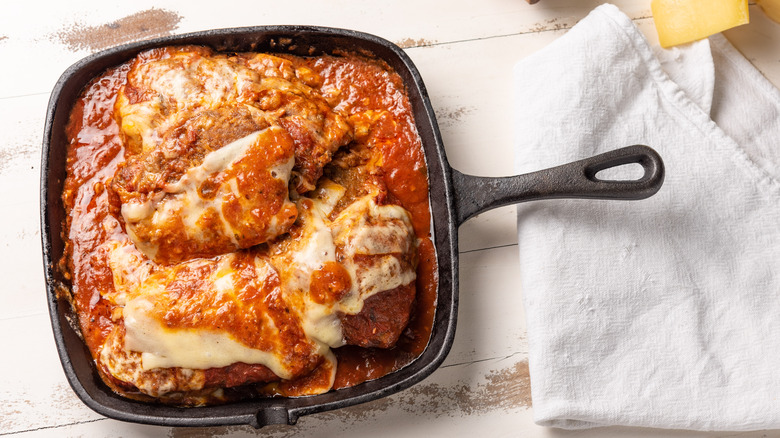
663 312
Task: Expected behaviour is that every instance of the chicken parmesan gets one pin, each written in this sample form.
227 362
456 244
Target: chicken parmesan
247 225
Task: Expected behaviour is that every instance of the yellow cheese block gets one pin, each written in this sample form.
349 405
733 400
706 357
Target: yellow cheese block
683 21
771 8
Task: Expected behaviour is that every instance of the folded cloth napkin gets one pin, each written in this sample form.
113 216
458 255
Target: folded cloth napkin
663 312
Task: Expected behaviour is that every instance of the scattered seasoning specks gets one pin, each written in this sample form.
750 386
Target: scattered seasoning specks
552 25
12 409
408 43
451 116
8 155
361 412
141 25
505 389
511 387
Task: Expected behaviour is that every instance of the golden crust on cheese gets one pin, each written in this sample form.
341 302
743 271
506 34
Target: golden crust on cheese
237 263
213 142
261 307
210 313
167 86
236 197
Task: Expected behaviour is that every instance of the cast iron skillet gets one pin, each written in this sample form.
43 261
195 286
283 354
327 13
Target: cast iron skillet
454 198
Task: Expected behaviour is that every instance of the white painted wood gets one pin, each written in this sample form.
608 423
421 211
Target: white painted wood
44 25
465 51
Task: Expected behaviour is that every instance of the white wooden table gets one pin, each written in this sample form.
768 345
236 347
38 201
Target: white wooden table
465 51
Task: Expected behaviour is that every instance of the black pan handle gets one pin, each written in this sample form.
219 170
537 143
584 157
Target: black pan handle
474 194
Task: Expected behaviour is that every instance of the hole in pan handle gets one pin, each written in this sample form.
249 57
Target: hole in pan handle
474 194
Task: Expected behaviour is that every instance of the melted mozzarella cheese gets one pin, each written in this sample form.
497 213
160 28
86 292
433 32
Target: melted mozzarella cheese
320 322
187 348
199 81
365 228
328 195
390 237
139 120
194 348
384 273
128 268
182 200
179 84
137 211
214 162
126 366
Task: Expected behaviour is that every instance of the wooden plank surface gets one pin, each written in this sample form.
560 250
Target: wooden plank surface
465 51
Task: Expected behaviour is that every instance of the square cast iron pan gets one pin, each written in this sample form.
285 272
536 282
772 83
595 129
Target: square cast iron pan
454 197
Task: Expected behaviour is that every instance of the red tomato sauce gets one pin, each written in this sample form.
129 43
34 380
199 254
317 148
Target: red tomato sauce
96 149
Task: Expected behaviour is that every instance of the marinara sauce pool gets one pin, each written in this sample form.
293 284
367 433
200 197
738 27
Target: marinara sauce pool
96 150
